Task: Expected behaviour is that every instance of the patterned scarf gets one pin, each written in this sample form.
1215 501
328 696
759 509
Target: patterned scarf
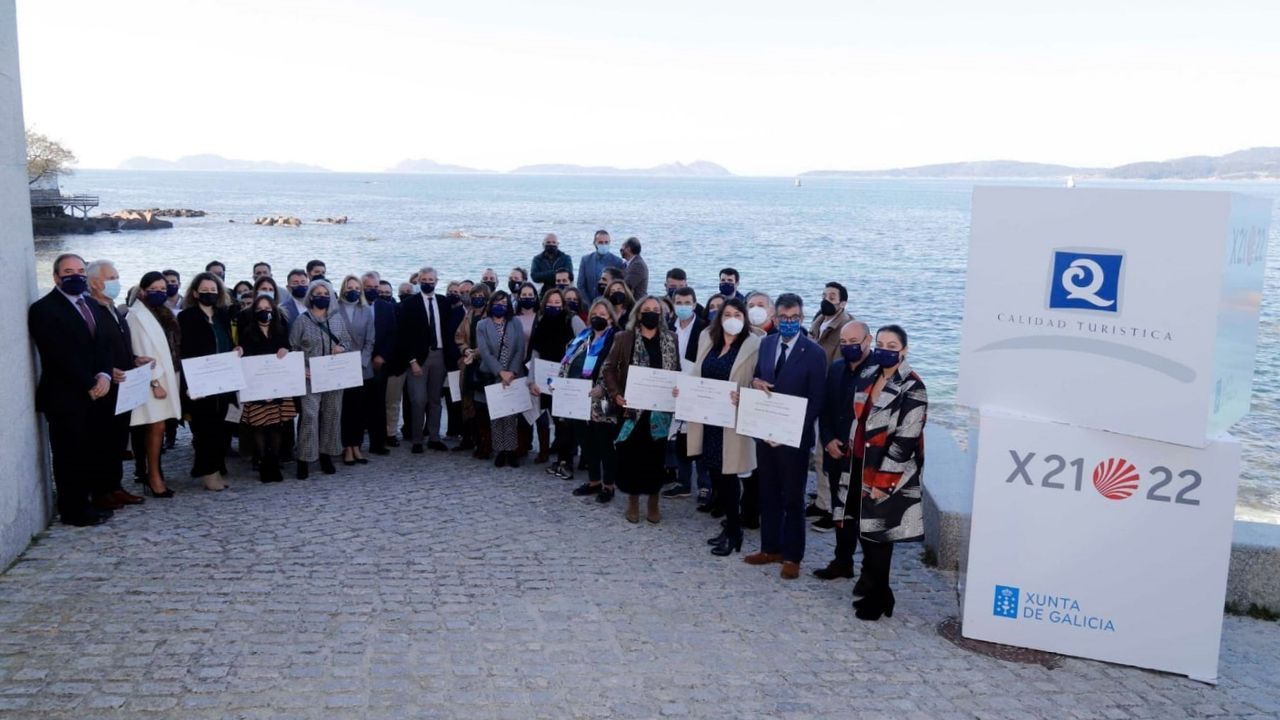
659 422
593 351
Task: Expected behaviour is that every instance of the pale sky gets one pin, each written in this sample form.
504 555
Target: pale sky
763 88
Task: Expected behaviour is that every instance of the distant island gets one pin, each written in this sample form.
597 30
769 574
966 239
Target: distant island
698 168
431 166
216 163
1262 163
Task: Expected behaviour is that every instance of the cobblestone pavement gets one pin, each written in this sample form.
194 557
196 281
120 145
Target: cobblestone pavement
439 586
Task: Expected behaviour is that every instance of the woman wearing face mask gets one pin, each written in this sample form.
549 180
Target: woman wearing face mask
526 312
263 332
517 278
623 301
358 316
319 332
890 429
265 285
584 359
154 333
727 351
243 295
642 436
760 313
551 335
205 328
475 412
714 303
576 309
501 347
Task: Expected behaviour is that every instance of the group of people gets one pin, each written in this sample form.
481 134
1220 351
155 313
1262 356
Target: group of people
863 431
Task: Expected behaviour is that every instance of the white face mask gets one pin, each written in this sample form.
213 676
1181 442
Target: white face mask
732 325
757 315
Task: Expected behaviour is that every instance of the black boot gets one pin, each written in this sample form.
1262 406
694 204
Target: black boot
326 464
303 470
728 545
716 540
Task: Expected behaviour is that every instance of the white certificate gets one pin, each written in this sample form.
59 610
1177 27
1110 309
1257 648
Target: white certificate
454 381
135 391
706 401
571 398
336 372
267 377
213 374
511 400
776 417
542 372
649 389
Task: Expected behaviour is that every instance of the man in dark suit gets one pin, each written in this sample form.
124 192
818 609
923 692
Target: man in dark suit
421 343
688 329
75 375
635 272
383 360
792 364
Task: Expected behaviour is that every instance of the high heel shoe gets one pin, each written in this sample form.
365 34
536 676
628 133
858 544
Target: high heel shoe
326 464
304 470
716 540
168 492
728 545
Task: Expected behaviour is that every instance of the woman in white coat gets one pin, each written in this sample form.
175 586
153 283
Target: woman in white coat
155 335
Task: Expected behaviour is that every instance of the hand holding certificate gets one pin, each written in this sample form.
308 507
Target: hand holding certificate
774 417
213 374
336 372
571 399
709 402
507 400
135 391
542 372
649 389
454 381
267 377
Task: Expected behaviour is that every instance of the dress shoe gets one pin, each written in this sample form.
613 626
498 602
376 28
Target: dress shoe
393 441
606 495
790 570
107 502
513 459
762 558
438 446
823 524
362 461
380 451
127 498
166 493
586 489
326 465
416 449
500 460
82 520
834 570
349 463
814 511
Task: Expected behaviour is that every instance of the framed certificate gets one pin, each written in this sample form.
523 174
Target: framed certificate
649 389
212 374
709 402
336 372
775 417
267 377
510 400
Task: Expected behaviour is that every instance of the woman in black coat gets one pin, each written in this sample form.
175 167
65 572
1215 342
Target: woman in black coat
205 328
262 332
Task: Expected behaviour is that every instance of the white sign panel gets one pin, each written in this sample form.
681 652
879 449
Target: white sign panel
571 398
335 372
706 401
1099 545
1143 303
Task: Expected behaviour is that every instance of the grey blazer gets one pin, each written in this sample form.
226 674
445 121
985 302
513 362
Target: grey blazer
487 336
359 319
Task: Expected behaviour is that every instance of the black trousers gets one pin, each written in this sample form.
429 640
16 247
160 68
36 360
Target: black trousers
375 409
353 416
784 473
751 498
728 490
601 457
566 442
847 535
872 588
210 434
73 460
110 444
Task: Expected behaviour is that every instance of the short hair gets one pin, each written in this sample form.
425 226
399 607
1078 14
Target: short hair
633 244
599 232
165 273
296 272
427 269
758 294
677 274
57 262
312 265
686 291
857 325
789 300
385 282
524 274
92 268
844 292
731 271
262 263
614 273
896 330
566 271
371 274
215 263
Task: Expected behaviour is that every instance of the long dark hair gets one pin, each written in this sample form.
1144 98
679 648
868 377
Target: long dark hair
249 319
191 299
162 314
717 324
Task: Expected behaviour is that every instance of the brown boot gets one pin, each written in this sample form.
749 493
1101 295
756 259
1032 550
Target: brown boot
762 558
633 508
653 515
790 570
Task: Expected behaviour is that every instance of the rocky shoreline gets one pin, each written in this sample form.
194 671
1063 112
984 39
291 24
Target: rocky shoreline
149 219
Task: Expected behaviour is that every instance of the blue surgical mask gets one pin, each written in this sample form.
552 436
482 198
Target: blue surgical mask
552 311
351 296
711 315
602 249
684 312
298 291
851 353
788 328
111 289
886 358
574 305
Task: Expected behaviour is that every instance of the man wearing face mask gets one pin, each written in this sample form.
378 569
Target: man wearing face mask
593 264
635 270
791 364
760 313
422 333
846 391
75 359
173 290
549 262
730 279
825 330
564 279
490 277
293 306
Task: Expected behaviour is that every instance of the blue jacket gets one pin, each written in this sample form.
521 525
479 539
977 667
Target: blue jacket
589 270
384 329
804 375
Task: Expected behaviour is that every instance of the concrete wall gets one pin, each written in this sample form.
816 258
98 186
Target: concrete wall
24 488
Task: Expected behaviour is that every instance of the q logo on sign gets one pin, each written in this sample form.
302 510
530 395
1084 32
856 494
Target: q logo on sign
1086 280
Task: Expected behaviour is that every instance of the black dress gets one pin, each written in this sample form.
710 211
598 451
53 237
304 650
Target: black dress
641 457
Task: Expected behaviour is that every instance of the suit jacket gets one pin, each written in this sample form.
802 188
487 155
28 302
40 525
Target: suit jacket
386 332
636 276
804 375
589 270
830 339
413 336
695 338
846 392
71 358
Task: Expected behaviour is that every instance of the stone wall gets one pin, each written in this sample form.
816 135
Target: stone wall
24 493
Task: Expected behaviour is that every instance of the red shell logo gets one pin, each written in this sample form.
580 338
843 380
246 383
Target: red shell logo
1115 478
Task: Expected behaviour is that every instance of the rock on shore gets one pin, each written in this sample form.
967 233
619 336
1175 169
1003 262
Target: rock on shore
278 220
340 220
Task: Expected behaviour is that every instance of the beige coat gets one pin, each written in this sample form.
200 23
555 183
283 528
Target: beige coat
739 450
149 341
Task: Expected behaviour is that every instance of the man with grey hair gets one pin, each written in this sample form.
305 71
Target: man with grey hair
421 344
109 443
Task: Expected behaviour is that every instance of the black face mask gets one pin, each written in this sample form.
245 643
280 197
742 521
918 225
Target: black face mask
550 250
599 324
207 299
650 320
617 298
513 286
264 316
827 308
405 297
493 284
600 287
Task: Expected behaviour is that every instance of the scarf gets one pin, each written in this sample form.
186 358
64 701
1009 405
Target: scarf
593 351
659 422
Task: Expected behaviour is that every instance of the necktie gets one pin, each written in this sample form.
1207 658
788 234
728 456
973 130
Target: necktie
782 360
88 316
431 319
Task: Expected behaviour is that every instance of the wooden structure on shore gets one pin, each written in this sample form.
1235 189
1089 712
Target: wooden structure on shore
47 199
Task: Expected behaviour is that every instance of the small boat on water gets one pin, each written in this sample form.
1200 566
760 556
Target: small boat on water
797 182
1071 181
